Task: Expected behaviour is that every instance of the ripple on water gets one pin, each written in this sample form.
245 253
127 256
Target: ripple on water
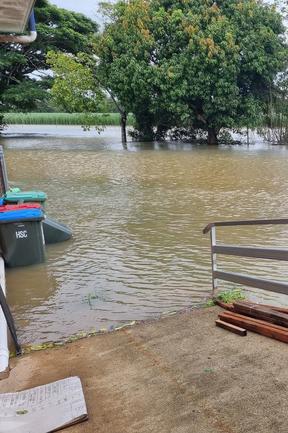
137 219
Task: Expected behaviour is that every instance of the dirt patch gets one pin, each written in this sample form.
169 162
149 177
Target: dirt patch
179 374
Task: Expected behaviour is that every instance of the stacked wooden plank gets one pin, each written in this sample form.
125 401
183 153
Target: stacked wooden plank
244 316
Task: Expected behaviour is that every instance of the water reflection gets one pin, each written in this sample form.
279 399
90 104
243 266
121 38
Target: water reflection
137 219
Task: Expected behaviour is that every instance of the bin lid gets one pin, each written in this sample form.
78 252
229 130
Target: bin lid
24 196
32 214
14 207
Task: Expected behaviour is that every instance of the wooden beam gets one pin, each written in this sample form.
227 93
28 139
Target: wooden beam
262 313
280 309
221 304
256 325
232 328
237 315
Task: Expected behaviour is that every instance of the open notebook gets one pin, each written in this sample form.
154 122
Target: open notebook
43 409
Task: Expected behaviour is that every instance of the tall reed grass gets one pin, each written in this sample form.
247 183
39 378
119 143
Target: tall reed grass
94 119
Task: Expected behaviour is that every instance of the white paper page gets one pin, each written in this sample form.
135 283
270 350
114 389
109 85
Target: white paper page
44 408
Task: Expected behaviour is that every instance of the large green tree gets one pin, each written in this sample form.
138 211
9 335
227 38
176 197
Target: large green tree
79 86
201 63
22 67
75 87
124 53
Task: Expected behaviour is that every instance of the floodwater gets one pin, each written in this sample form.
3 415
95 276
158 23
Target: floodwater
137 217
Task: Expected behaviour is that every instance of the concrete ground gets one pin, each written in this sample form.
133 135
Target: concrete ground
180 374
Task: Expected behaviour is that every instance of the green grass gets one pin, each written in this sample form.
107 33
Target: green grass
209 303
94 119
230 296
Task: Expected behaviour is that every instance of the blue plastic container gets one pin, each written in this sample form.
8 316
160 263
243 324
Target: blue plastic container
21 237
21 215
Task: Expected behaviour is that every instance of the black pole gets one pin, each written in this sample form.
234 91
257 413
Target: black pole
3 173
10 321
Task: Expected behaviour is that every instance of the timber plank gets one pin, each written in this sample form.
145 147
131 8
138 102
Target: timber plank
262 313
279 309
221 304
271 325
255 325
232 328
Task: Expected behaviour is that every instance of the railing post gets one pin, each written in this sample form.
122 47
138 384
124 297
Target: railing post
213 259
243 251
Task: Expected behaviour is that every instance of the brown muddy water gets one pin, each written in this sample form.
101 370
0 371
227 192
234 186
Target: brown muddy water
137 217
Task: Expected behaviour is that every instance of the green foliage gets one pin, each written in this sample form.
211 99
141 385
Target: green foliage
209 303
2 122
208 370
95 119
24 94
78 87
74 87
124 50
198 64
231 296
58 30
274 128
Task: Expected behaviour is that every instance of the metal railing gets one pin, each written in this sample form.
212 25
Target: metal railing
243 251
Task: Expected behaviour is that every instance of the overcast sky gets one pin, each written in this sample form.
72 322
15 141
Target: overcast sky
90 7
87 7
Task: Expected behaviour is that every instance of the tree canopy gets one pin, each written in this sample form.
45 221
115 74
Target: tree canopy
75 88
200 63
58 29
195 65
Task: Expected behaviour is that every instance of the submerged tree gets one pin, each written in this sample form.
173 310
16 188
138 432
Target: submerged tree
124 53
197 65
201 63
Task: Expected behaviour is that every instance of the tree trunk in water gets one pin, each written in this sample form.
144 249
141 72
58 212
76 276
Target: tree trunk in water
160 133
212 138
144 125
123 130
